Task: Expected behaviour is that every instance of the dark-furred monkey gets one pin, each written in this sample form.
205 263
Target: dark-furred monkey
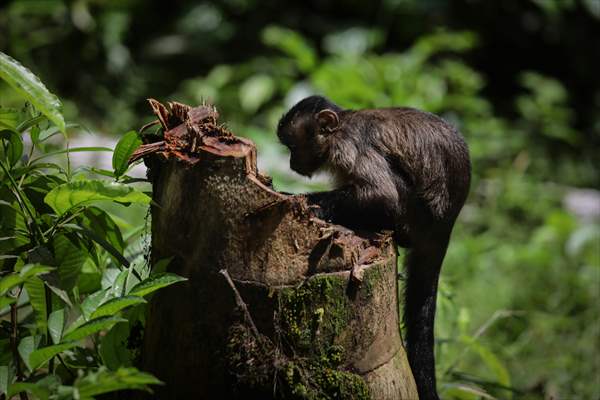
397 169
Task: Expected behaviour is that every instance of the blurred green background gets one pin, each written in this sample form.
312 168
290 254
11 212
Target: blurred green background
519 298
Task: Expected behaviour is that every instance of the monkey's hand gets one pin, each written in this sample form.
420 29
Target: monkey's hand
329 206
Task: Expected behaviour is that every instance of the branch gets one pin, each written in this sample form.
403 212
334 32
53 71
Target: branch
240 303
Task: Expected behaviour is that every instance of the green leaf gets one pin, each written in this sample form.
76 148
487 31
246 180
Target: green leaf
40 356
91 327
256 91
118 287
15 145
93 301
465 391
70 256
99 238
6 301
51 131
9 281
56 325
113 306
28 123
66 196
123 150
37 297
491 361
29 270
34 133
292 44
52 285
155 282
101 222
113 347
31 88
27 345
29 387
41 389
9 118
5 378
105 381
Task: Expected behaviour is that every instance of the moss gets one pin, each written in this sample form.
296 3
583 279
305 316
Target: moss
314 313
372 279
309 365
313 381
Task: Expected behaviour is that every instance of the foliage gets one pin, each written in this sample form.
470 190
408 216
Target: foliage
519 291
68 295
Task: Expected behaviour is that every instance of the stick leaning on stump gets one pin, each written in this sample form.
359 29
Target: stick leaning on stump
278 304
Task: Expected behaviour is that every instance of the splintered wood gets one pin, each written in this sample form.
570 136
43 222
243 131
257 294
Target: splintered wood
185 131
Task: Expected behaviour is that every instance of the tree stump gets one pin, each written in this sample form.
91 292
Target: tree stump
278 304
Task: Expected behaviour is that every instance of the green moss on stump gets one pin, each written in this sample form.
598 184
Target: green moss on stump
313 315
305 359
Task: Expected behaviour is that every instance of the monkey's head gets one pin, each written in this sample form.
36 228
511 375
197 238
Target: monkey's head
306 129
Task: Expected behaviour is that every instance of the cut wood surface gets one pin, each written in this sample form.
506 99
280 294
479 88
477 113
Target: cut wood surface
279 304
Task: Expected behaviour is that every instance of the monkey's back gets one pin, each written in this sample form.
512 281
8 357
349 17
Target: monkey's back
428 153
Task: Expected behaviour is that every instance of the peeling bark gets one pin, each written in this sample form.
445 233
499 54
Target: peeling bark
323 299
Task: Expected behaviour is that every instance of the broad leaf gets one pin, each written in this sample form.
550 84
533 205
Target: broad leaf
100 222
109 276
93 301
105 381
6 301
123 150
9 118
30 87
40 356
41 389
37 297
113 306
51 281
10 281
14 150
5 378
154 283
91 327
27 345
51 131
56 325
30 270
70 256
66 196
113 347
99 238
118 287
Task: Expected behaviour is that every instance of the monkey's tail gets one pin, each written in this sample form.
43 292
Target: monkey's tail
423 265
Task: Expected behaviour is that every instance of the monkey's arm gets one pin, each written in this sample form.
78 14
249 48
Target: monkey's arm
364 206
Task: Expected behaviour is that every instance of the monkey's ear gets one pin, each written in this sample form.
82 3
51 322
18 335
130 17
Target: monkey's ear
328 120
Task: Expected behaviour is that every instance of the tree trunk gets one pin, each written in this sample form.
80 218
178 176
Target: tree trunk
278 304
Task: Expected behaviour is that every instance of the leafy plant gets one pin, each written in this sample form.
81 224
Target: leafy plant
66 285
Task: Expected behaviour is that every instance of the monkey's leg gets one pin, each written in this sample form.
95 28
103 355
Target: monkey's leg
423 265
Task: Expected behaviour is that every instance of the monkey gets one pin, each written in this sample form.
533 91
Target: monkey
398 169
